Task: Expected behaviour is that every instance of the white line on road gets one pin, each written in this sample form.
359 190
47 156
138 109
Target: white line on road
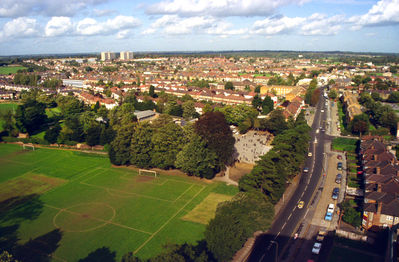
289 216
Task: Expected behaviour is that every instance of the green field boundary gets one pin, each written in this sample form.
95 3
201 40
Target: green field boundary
167 222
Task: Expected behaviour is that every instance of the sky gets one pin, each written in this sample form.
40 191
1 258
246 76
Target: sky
78 26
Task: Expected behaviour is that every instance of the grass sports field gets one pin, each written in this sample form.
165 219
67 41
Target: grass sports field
69 204
5 70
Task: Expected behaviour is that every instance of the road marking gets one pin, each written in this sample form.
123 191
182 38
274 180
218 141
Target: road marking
290 215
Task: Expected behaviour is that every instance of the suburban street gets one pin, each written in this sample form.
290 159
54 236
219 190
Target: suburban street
272 245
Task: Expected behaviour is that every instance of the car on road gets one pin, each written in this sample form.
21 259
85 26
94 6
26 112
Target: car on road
316 248
335 193
310 154
330 208
328 217
338 178
306 170
321 235
300 204
339 166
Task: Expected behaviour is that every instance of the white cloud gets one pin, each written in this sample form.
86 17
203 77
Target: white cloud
220 7
174 25
316 24
15 8
104 12
58 25
384 12
276 25
19 27
90 26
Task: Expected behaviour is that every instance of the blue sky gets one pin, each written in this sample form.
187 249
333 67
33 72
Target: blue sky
70 26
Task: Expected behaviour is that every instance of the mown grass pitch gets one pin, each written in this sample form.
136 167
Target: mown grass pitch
68 204
5 70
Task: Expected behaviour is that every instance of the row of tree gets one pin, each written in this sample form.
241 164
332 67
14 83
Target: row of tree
201 149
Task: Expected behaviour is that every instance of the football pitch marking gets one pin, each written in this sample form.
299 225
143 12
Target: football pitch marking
167 222
106 222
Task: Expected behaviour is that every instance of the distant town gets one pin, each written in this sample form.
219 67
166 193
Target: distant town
230 156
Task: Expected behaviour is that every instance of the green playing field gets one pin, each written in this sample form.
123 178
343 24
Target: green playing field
69 204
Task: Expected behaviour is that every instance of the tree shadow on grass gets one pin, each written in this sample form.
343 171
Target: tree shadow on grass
20 208
40 248
102 254
13 212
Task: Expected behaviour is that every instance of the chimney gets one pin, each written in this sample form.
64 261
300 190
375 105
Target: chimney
375 157
378 187
397 173
377 170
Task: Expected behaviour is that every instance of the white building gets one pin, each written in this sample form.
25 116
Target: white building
126 55
105 56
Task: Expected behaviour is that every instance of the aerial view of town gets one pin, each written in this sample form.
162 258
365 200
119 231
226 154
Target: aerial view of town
199 130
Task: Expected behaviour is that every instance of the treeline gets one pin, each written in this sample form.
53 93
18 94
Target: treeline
380 115
201 149
312 93
280 164
33 80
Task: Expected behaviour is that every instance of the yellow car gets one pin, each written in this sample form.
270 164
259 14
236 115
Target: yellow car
300 204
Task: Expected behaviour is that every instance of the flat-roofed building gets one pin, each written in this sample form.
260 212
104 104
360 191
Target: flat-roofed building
126 55
106 56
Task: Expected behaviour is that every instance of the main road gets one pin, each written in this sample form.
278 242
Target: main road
270 245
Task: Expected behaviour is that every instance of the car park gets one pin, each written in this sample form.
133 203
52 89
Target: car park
338 178
339 166
316 248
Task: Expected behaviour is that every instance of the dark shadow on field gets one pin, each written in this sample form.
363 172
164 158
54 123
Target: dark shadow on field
40 248
13 212
20 208
102 254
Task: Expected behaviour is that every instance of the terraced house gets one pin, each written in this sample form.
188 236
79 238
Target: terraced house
381 179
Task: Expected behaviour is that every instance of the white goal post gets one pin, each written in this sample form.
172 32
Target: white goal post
145 172
24 146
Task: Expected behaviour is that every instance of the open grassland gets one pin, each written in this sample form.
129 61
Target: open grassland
68 204
5 70
344 144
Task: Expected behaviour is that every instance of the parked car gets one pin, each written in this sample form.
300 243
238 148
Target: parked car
338 178
339 157
316 248
339 166
310 154
330 208
321 235
328 217
335 193
306 170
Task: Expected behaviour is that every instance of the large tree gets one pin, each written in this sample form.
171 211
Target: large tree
215 130
235 221
119 150
197 159
167 141
30 116
141 145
